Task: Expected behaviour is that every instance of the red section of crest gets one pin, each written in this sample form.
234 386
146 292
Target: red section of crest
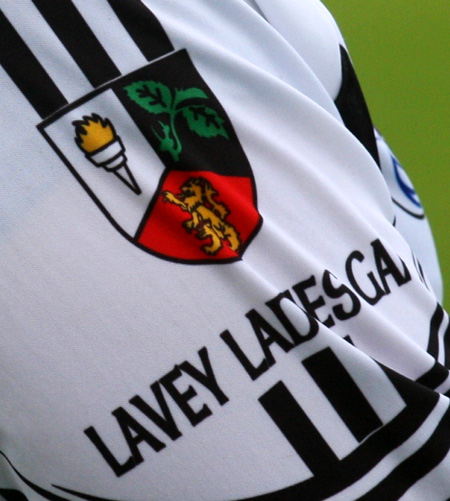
201 216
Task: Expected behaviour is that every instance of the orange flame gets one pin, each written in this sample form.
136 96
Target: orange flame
93 133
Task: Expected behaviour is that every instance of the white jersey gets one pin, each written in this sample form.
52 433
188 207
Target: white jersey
217 282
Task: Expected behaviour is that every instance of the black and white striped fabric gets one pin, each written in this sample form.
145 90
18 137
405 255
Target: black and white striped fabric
217 280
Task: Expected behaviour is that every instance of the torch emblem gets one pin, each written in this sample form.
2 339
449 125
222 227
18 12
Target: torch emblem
97 139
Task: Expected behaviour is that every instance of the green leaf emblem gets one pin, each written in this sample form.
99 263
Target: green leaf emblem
158 99
154 97
192 93
204 121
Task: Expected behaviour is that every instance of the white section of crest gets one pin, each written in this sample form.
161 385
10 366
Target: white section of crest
112 35
38 36
126 208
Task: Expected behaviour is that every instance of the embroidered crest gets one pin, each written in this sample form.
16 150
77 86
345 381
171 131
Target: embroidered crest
157 153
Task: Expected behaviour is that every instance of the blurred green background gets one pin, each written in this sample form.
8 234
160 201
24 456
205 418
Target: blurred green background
401 52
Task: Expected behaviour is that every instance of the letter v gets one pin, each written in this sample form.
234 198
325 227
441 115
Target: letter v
165 421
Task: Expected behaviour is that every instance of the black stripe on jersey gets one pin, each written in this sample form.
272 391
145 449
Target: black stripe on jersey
143 27
447 346
434 377
10 495
298 429
26 71
343 393
42 492
13 495
420 402
81 495
435 325
353 108
79 40
415 467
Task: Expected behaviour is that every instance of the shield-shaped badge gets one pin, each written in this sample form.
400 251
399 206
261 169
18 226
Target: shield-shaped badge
157 153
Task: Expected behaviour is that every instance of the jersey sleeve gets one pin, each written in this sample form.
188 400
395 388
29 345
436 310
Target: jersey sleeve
298 23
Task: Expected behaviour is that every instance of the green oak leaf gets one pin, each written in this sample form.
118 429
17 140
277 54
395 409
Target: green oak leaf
204 121
192 93
154 97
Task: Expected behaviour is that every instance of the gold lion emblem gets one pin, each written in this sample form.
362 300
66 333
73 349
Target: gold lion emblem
208 217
